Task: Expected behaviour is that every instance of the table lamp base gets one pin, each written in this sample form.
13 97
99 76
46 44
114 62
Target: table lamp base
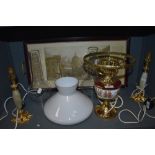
23 117
103 110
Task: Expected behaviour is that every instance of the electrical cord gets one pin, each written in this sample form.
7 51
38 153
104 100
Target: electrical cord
113 104
25 95
8 113
23 99
122 102
136 117
22 86
27 91
13 114
5 108
16 124
138 90
33 91
30 91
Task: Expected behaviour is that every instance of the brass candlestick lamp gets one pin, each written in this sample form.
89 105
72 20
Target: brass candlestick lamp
104 66
139 95
23 116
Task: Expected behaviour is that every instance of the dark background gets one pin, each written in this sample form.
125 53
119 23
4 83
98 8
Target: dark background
49 33
12 50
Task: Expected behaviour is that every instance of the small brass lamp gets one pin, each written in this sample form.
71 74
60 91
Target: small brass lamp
139 95
23 116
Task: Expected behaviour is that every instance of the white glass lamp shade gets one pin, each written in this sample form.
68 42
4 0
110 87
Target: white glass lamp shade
68 106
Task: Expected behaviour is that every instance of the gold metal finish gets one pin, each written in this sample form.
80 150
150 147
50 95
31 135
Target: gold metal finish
139 96
23 117
103 110
105 66
147 61
12 77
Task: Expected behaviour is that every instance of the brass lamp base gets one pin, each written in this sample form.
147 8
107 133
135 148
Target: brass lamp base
102 111
139 97
23 117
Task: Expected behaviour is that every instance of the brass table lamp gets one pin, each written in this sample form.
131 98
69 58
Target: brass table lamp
23 116
139 95
104 67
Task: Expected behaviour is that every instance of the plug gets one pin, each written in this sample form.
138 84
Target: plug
39 91
148 103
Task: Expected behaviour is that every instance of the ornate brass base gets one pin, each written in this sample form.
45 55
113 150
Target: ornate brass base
102 111
139 97
23 117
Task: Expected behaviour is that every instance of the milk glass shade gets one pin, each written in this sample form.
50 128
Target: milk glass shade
68 106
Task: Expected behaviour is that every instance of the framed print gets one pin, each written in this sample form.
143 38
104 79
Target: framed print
50 61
